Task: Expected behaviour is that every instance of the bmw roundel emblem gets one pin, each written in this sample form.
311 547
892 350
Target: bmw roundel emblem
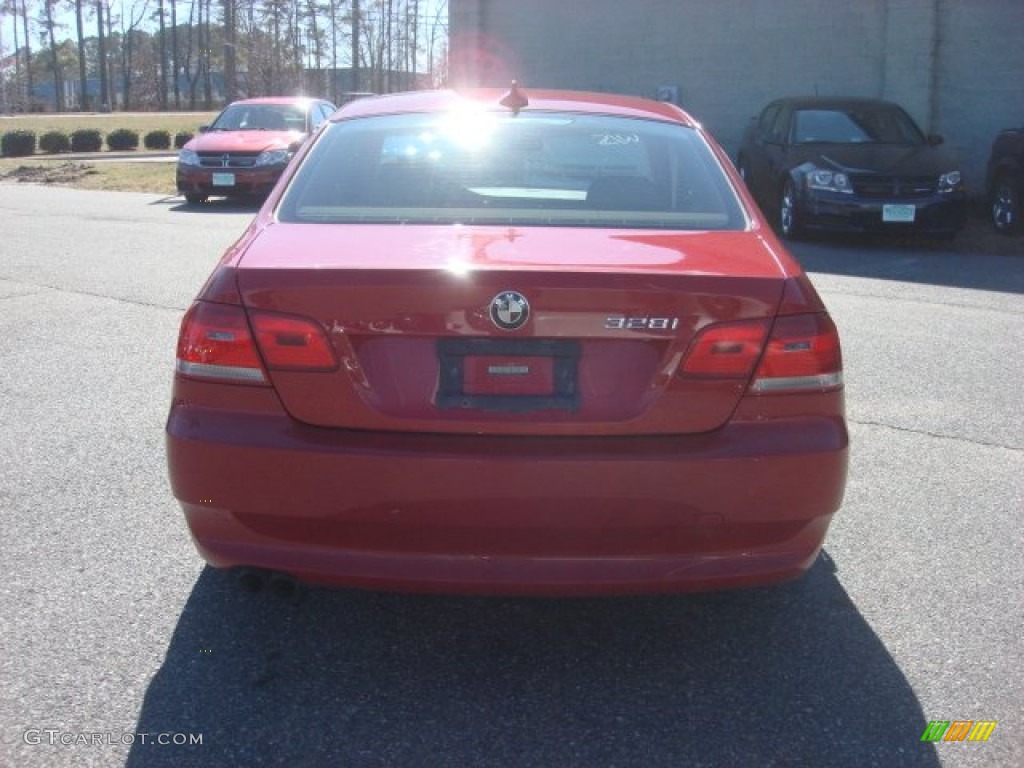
510 310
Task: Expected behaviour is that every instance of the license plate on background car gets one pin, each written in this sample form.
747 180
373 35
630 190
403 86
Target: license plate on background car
899 213
223 179
511 375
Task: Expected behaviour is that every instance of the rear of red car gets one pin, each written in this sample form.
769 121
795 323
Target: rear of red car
538 350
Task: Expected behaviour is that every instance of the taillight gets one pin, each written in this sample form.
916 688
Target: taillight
292 343
802 354
726 350
215 343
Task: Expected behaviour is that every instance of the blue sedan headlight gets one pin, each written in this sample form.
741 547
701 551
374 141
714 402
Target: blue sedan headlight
949 181
829 181
188 157
273 157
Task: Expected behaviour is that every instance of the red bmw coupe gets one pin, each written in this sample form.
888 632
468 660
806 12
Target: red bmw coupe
531 342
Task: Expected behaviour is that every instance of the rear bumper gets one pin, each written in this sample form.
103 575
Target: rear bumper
748 504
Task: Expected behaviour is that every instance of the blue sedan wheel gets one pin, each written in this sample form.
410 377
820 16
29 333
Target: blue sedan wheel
1006 206
789 221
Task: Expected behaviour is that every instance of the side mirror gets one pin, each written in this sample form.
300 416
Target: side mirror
204 128
934 139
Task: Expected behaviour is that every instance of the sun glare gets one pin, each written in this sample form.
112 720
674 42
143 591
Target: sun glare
469 128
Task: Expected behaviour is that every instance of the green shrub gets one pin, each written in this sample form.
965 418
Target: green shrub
18 143
123 138
157 140
181 139
86 140
53 142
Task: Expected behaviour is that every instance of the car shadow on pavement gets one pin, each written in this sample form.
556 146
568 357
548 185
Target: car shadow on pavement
917 260
784 676
217 205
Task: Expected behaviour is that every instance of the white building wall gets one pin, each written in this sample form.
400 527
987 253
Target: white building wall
956 65
979 76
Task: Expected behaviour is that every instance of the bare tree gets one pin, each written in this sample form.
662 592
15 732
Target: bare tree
174 54
317 41
332 10
230 79
192 36
48 20
437 52
270 56
28 54
162 88
136 13
83 82
412 30
257 46
387 45
356 22
11 7
101 41
205 52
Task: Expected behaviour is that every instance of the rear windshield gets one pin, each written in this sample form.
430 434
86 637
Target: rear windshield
534 169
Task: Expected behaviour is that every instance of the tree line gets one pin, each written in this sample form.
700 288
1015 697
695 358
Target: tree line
197 54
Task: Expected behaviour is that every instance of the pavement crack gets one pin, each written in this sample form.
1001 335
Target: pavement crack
937 435
78 292
19 295
933 302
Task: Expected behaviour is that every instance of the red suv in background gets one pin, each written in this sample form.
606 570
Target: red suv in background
245 150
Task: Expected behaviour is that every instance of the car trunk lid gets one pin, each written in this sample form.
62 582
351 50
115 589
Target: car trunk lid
415 315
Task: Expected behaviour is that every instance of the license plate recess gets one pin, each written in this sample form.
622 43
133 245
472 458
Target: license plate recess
508 375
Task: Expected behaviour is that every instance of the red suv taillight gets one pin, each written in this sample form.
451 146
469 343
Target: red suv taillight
801 353
216 343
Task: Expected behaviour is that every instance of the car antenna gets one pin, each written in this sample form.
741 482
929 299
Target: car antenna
514 99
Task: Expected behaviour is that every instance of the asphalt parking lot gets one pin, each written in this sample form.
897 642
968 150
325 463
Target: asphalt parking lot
115 638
